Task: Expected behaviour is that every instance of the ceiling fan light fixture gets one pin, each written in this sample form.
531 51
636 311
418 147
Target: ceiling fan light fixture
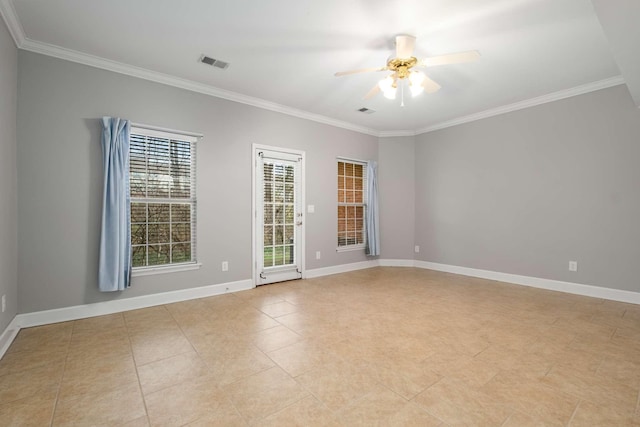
416 90
390 93
387 87
416 79
401 65
386 83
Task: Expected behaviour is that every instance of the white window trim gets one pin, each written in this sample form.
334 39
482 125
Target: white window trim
359 246
161 269
165 133
349 248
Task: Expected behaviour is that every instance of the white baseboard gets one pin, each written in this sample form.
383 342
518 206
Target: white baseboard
342 268
116 306
536 282
7 337
65 314
396 263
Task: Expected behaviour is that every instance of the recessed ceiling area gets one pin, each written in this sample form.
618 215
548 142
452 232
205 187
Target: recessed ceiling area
284 53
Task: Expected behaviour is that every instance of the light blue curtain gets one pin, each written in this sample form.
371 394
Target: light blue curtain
373 229
114 272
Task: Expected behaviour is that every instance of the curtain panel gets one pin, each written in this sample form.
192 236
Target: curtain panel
372 222
114 272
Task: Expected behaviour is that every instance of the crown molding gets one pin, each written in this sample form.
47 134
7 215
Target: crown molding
551 97
392 133
166 79
8 12
130 70
10 17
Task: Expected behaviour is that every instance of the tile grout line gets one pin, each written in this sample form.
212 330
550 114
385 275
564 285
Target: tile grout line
573 414
335 414
281 409
443 377
133 356
600 365
67 365
291 404
613 333
208 367
507 419
64 369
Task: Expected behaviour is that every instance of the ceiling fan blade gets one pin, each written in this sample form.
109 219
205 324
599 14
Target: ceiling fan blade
362 70
429 85
404 46
373 92
452 58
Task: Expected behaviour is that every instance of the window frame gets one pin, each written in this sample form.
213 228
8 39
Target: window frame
353 246
192 139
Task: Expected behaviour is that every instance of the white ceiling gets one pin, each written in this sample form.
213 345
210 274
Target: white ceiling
283 53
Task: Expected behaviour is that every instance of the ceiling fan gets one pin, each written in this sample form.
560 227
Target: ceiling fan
402 68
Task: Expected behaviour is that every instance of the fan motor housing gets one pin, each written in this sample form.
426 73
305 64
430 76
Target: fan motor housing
402 66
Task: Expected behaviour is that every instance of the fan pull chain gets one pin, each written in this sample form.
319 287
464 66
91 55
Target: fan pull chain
401 94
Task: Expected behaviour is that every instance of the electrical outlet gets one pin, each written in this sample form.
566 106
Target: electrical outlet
4 303
317 254
573 265
225 265
416 249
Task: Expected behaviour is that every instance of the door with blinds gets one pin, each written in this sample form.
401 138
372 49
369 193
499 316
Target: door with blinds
279 221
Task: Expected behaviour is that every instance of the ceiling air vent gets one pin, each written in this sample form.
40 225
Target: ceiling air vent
214 62
366 110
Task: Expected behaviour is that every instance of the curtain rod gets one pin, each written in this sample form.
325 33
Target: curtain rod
161 129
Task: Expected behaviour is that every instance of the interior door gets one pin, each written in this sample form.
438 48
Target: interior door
279 216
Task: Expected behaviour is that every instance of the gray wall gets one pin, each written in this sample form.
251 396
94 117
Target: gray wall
521 193
528 191
8 195
396 179
59 178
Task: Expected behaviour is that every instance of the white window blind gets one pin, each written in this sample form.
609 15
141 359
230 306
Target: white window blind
163 198
352 204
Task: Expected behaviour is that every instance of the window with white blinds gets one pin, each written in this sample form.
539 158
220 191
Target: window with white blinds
352 204
163 198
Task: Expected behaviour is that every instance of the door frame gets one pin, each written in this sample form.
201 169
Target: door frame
255 149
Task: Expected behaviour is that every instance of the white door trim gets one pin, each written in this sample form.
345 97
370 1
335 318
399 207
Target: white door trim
255 148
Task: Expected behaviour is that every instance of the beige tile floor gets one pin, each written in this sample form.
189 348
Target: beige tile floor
384 346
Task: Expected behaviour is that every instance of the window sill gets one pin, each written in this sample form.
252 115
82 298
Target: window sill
148 271
350 248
